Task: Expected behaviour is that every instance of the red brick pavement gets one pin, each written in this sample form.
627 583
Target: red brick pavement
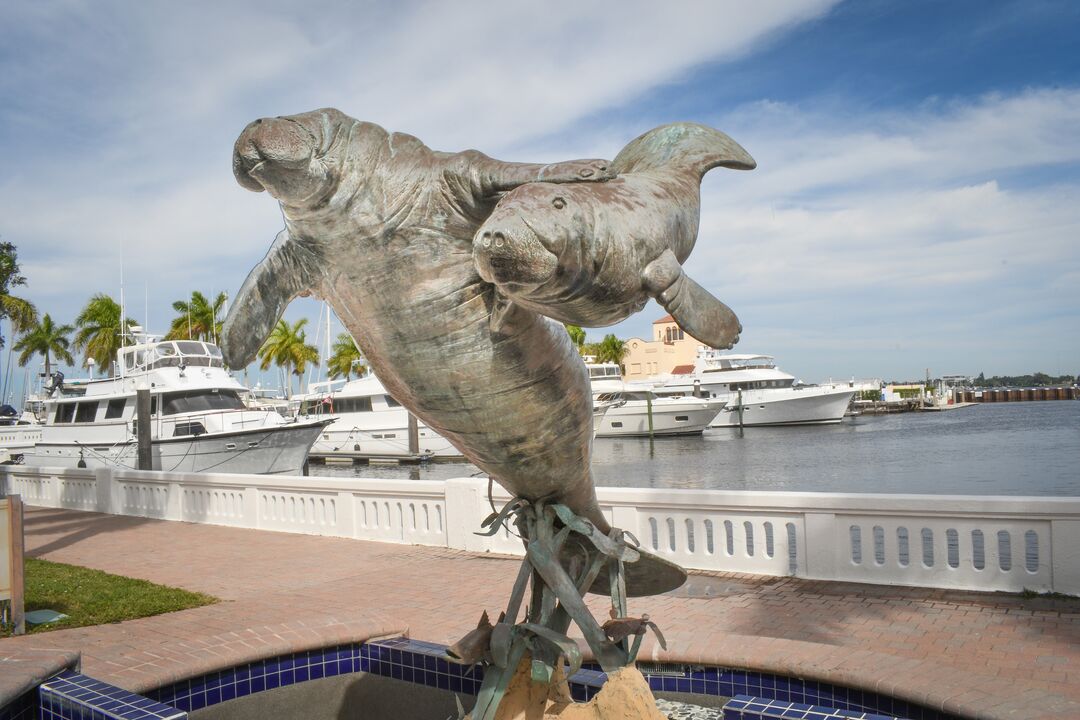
977 654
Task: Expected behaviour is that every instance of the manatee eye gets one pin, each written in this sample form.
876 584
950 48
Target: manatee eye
559 203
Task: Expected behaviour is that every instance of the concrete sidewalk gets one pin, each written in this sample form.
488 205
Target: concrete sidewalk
974 654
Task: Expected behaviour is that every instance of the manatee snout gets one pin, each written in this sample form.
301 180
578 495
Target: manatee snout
282 156
508 252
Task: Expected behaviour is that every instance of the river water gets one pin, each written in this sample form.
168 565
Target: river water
1024 448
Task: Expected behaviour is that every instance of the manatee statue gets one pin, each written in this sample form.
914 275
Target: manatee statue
593 254
381 227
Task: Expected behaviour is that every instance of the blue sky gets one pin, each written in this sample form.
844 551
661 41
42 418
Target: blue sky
916 203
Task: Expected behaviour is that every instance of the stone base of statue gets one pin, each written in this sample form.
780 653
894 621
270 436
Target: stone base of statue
625 696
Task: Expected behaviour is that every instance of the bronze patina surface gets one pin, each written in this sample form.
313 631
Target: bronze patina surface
594 254
382 227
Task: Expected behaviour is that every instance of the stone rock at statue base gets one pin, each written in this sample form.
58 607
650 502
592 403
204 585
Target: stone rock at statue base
625 696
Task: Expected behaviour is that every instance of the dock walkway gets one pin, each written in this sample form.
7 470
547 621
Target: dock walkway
976 654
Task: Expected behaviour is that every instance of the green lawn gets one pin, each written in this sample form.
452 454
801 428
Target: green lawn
92 597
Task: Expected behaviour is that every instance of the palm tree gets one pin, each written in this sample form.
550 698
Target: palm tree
99 331
346 358
48 340
611 349
577 336
286 347
21 313
198 318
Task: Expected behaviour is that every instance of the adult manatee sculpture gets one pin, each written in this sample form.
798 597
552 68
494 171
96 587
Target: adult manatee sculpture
382 228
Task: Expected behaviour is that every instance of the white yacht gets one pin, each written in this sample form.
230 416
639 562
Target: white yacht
757 392
199 422
622 409
368 423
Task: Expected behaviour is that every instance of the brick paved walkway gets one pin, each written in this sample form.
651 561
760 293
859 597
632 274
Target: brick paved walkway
976 654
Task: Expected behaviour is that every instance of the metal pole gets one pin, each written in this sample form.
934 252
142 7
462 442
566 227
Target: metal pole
648 405
142 413
414 436
18 576
740 413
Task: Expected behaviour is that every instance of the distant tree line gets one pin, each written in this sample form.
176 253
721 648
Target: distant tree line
1034 380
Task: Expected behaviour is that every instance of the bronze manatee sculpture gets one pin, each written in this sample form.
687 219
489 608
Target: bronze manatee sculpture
593 254
381 227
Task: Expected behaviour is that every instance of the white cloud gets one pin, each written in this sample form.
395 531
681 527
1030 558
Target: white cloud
860 224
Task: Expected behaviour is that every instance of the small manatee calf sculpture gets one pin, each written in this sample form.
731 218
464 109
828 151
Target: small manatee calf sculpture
593 254
381 227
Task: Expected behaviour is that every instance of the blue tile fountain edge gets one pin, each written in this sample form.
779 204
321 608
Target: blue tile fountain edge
255 677
425 663
745 707
74 696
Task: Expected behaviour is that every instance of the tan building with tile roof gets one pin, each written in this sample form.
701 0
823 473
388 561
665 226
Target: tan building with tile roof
668 348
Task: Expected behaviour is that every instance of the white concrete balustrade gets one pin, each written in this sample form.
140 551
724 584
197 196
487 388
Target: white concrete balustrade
976 542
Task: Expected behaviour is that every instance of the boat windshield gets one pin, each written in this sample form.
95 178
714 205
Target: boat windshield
188 401
623 396
172 354
604 371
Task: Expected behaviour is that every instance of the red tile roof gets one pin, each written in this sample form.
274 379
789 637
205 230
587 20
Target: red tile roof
665 319
682 370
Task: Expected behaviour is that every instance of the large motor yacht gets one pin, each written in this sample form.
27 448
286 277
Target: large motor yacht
199 421
757 392
367 422
622 409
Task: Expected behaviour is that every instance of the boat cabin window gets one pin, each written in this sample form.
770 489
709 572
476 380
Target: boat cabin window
115 408
200 401
354 404
65 412
391 402
188 428
86 412
604 371
760 384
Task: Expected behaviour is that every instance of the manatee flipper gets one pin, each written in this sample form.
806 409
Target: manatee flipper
268 289
508 317
692 306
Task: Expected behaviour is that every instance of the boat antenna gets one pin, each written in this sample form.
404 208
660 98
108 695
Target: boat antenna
123 310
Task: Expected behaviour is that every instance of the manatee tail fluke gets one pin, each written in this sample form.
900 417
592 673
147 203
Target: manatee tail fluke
268 289
691 306
696 148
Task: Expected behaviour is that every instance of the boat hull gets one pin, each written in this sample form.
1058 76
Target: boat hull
15 440
631 419
807 406
276 450
345 440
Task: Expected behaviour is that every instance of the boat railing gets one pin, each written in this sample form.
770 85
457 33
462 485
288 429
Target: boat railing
963 542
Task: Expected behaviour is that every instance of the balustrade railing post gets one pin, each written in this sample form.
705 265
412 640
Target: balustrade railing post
819 544
103 488
1065 556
